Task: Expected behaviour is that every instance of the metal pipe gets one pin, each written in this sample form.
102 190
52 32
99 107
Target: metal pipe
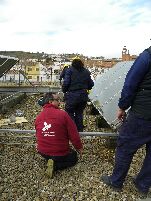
101 134
17 143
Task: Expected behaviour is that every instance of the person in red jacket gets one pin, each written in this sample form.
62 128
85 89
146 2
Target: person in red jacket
54 132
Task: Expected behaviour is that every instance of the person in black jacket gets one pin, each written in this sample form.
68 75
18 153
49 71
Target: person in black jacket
77 82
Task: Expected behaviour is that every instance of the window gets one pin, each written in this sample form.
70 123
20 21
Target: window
56 71
29 69
29 77
37 69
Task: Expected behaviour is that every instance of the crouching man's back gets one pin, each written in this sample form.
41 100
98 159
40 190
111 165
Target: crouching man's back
54 130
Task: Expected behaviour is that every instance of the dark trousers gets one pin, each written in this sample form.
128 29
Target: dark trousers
134 133
75 104
75 111
63 162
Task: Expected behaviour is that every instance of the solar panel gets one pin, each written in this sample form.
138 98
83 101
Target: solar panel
107 90
2 60
6 63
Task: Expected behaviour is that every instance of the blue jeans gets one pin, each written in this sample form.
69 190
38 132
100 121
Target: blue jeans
134 133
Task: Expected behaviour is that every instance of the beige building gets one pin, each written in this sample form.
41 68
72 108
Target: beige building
33 72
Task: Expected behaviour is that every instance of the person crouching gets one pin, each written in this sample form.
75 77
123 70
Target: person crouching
54 132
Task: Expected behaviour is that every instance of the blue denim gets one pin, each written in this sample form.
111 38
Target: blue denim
134 133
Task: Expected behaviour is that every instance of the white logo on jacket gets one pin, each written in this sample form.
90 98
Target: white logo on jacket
45 130
46 126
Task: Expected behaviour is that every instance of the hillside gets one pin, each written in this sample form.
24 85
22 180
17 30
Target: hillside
23 55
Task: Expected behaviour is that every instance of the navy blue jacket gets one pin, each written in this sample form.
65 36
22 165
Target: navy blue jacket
76 80
62 75
135 76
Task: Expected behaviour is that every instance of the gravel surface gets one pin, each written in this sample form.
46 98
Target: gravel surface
22 170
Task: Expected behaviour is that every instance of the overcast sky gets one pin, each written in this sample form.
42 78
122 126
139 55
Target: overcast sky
88 27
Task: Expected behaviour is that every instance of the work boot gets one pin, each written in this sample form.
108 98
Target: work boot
106 180
50 168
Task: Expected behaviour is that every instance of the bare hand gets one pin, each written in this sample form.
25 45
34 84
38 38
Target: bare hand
121 114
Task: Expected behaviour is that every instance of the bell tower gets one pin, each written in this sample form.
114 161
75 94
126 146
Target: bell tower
125 54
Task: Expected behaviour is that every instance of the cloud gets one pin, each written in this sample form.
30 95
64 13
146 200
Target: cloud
90 27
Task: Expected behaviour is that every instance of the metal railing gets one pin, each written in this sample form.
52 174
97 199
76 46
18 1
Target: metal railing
81 133
31 134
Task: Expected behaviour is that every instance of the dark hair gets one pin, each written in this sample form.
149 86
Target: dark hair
48 97
78 64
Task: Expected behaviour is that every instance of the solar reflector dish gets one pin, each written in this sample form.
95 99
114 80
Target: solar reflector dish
6 63
107 90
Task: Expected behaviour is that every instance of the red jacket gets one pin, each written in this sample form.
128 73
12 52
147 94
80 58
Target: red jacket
54 130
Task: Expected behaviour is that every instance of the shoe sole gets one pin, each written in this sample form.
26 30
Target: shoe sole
49 170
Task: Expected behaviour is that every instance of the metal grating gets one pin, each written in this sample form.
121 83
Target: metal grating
6 63
107 90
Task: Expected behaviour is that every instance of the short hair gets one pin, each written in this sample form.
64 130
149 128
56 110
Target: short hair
48 97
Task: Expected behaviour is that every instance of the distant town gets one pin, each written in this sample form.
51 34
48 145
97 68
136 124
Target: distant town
42 68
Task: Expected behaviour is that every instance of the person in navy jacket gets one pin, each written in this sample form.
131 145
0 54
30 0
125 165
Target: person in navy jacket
77 82
136 128
62 75
55 130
